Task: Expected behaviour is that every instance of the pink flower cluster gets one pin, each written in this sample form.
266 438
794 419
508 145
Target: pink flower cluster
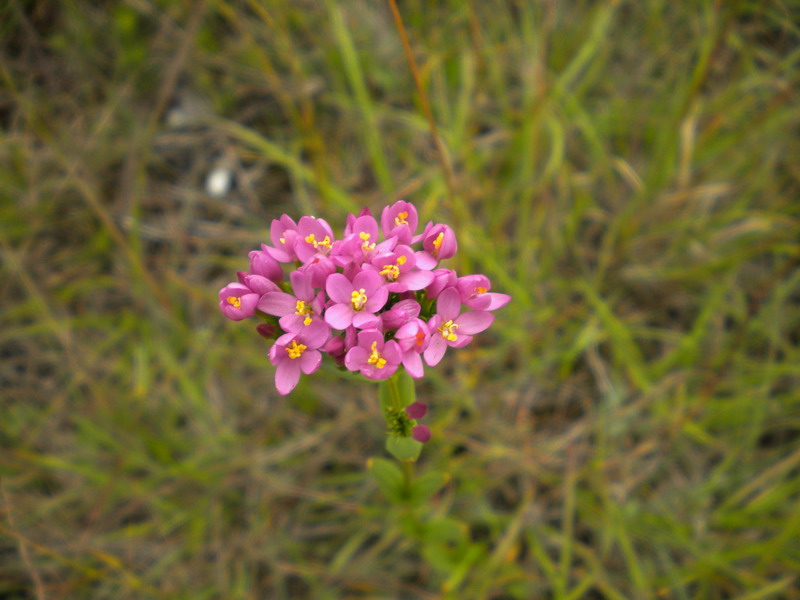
370 303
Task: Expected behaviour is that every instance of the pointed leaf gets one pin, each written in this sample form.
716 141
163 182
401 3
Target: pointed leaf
388 476
403 448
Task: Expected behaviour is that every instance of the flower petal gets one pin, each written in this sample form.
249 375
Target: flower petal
356 358
426 261
377 299
474 321
369 280
366 320
310 361
416 280
435 351
412 361
339 288
339 316
277 303
448 304
301 285
287 375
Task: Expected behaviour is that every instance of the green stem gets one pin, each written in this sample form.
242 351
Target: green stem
408 474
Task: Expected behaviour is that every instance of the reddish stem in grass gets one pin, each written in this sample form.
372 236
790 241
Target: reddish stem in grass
426 107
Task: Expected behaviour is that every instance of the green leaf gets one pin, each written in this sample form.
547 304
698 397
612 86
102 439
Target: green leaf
403 448
385 396
426 486
445 531
397 391
405 387
388 476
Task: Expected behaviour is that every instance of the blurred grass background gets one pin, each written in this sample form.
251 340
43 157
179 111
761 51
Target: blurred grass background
629 171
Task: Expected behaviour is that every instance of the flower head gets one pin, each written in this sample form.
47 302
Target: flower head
291 354
399 221
237 301
451 328
372 300
374 357
355 302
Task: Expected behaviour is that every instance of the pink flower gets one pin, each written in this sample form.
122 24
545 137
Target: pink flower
262 263
356 302
314 238
397 268
438 243
319 268
361 242
399 221
283 234
421 433
301 313
416 410
292 354
442 279
449 328
474 290
237 301
375 358
400 314
413 338
257 284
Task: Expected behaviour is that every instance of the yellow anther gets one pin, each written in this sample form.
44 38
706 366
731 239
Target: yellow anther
312 239
307 321
282 240
437 243
401 260
400 219
358 299
365 238
448 331
391 272
234 301
480 290
295 350
301 309
375 358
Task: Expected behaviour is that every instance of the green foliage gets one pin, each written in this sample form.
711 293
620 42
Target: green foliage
628 427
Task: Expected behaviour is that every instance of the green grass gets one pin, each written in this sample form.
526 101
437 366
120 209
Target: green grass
628 428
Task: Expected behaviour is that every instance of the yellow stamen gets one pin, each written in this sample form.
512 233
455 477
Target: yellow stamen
358 299
365 238
312 239
301 308
480 290
282 240
375 358
437 243
448 331
400 219
295 350
401 260
391 272
234 301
